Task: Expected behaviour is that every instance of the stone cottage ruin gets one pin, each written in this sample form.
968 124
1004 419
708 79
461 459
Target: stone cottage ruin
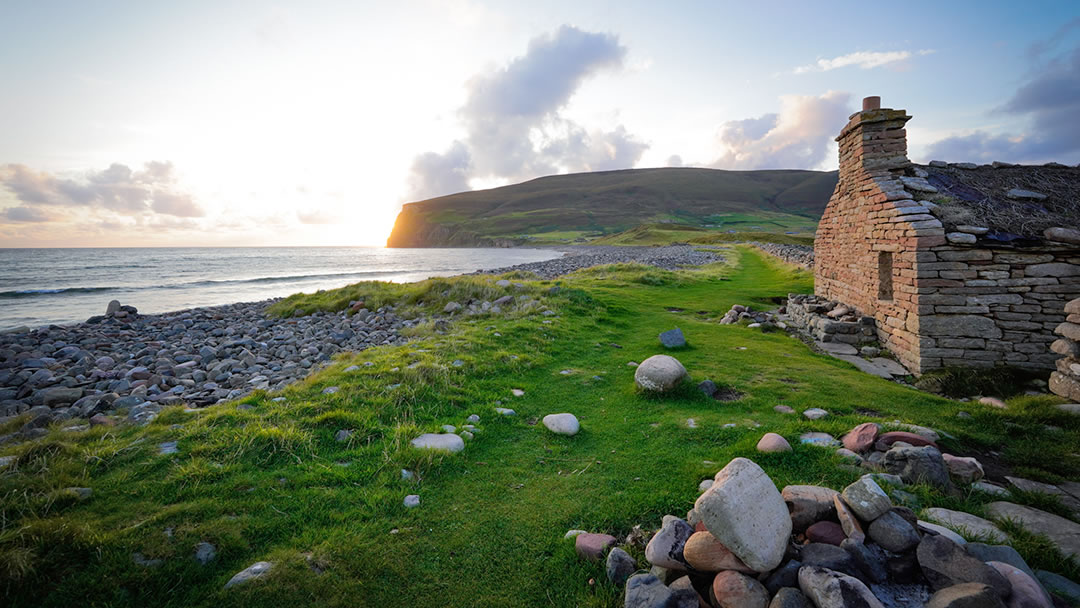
948 264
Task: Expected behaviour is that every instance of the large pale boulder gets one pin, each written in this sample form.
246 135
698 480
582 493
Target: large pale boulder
1062 532
973 525
562 424
441 442
659 374
745 512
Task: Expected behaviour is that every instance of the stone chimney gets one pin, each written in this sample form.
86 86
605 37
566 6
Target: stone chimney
873 142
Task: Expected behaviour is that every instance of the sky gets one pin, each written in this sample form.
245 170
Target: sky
244 123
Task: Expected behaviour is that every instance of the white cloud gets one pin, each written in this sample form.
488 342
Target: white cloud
152 190
800 136
862 59
513 119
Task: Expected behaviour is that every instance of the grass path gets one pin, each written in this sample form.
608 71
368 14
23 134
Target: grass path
268 483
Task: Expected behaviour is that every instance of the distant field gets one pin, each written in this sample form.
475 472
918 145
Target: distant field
663 234
580 207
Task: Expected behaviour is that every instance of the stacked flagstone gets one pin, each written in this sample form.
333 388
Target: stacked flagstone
1066 380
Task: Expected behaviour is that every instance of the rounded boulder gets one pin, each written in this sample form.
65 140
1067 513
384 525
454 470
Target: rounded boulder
659 374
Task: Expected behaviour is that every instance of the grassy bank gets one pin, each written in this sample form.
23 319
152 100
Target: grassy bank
270 482
664 234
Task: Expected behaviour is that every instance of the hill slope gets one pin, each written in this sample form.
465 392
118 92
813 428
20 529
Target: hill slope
565 207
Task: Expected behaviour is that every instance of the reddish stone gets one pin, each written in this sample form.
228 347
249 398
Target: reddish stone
101 420
861 438
772 443
732 590
826 532
886 440
593 546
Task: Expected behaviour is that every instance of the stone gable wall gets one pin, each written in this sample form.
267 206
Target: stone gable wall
872 219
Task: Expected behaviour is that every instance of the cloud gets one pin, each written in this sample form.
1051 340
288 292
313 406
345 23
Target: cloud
674 161
179 205
862 59
513 123
798 137
1049 101
117 188
26 214
433 174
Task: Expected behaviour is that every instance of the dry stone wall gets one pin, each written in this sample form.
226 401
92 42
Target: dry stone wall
800 255
1065 381
980 307
830 321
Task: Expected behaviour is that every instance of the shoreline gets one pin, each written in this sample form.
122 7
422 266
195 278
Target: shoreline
207 355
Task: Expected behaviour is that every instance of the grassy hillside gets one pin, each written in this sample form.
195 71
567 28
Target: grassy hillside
566 208
664 234
270 482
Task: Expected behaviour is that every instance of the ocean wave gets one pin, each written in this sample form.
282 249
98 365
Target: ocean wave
294 277
29 293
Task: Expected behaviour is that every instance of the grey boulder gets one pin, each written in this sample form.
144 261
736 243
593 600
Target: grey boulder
828 589
619 566
944 564
252 572
646 591
918 465
665 549
673 338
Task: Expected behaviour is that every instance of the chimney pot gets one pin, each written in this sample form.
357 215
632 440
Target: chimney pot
871 103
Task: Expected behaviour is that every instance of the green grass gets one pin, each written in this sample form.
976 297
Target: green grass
664 234
271 483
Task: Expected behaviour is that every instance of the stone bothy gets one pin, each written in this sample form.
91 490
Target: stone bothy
958 264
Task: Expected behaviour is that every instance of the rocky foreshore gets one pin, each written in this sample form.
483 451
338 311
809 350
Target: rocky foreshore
139 363
670 257
126 362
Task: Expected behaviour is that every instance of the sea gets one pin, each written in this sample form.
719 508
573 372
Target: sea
61 286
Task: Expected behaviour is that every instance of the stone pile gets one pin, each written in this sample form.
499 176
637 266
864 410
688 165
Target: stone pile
1066 380
830 321
738 312
800 255
671 257
747 544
